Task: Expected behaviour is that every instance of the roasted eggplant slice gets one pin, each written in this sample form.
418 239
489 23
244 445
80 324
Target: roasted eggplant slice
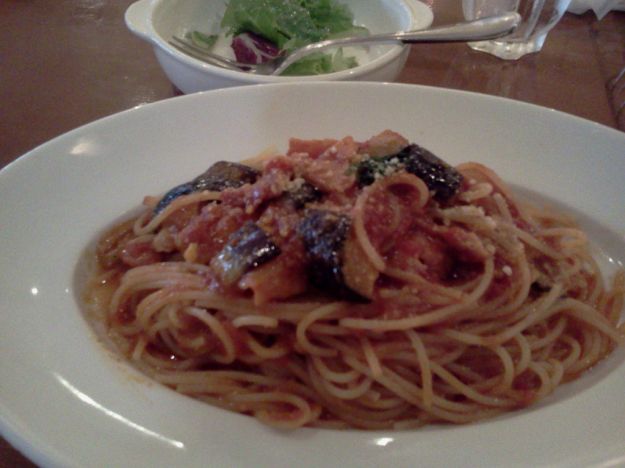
247 248
223 175
324 234
180 190
218 177
440 177
359 274
303 194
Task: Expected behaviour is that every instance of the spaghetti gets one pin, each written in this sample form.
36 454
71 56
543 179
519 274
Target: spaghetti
355 284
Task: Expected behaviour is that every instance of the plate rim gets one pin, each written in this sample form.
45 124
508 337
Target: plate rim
12 428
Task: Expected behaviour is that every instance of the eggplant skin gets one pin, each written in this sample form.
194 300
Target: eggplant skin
171 195
246 248
440 177
443 179
324 233
223 175
218 177
303 195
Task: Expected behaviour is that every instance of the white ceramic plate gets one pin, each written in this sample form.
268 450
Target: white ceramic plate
64 400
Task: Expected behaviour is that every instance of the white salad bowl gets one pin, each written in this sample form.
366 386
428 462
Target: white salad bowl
156 21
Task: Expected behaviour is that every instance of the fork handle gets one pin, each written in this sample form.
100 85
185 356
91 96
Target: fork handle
481 29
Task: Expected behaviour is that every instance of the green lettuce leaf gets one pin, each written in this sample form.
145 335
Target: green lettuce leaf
319 63
294 23
202 40
286 23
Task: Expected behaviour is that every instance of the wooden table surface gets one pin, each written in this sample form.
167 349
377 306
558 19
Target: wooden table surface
65 63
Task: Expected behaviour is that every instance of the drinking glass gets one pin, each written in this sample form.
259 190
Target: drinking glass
539 16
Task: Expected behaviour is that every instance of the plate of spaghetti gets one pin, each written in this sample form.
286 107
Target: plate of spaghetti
288 272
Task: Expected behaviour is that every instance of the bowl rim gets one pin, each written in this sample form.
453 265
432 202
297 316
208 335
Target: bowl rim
416 8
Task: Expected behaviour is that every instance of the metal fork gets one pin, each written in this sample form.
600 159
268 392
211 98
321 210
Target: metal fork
186 46
477 30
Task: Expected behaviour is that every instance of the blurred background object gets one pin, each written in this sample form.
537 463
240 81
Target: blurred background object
539 17
616 88
600 7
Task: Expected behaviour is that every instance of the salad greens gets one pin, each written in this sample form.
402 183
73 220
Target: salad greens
289 24
202 40
319 63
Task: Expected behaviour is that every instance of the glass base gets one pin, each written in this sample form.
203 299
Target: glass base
509 50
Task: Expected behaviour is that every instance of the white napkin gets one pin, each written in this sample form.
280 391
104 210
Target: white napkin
600 7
